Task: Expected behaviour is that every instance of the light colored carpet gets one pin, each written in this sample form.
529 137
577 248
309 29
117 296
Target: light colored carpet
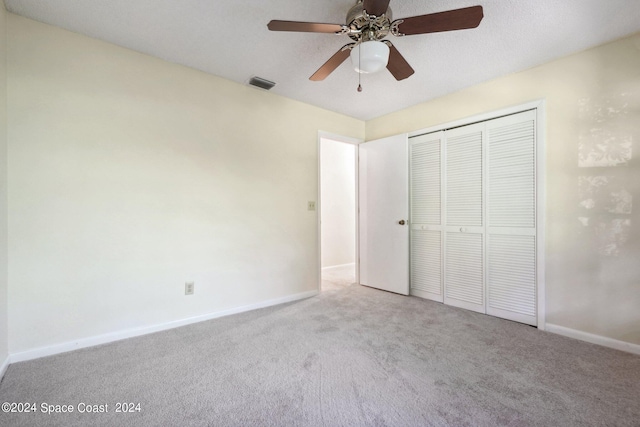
336 278
348 357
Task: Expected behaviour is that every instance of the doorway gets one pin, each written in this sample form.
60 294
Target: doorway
338 212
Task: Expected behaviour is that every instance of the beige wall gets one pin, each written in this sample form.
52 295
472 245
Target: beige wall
338 195
130 176
593 175
4 352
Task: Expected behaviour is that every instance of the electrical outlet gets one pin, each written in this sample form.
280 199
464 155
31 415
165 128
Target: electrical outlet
311 205
188 288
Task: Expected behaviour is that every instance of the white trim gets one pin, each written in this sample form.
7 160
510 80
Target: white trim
347 140
594 339
357 195
130 333
541 219
334 267
318 211
481 117
341 138
4 366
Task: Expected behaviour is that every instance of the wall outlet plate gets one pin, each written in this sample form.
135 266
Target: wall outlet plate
311 205
189 288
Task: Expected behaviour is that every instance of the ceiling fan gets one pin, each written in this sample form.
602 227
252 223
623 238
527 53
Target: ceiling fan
368 23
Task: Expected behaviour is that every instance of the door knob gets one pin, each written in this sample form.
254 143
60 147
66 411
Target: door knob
401 222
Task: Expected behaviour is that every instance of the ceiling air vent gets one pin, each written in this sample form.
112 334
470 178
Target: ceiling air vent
261 83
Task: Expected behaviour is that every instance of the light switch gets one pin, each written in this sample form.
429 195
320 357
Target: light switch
188 288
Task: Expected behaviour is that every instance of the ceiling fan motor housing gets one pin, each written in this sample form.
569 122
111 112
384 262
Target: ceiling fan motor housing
364 27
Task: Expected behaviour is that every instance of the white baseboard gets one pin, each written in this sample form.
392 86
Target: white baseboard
130 333
333 267
4 366
594 339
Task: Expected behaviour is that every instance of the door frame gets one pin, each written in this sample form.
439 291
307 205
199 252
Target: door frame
347 140
540 107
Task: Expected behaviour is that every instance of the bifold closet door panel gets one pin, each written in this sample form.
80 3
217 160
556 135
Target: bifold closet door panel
464 176
464 271
426 216
426 264
511 283
511 217
511 154
464 218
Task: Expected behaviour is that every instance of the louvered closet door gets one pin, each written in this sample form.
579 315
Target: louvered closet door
511 208
464 218
426 216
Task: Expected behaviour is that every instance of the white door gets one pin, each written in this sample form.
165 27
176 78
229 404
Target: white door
474 224
425 153
384 212
511 218
464 219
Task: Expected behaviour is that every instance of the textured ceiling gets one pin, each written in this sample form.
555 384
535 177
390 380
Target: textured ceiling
229 38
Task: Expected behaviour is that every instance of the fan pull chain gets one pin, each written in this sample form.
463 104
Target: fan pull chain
359 69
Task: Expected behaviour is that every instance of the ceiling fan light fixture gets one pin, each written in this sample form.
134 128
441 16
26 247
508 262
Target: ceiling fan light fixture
370 56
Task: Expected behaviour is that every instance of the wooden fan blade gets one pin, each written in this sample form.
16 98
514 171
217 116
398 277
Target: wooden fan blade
376 7
305 27
333 63
397 65
458 19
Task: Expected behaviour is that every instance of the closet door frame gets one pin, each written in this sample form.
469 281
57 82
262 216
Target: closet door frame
540 108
